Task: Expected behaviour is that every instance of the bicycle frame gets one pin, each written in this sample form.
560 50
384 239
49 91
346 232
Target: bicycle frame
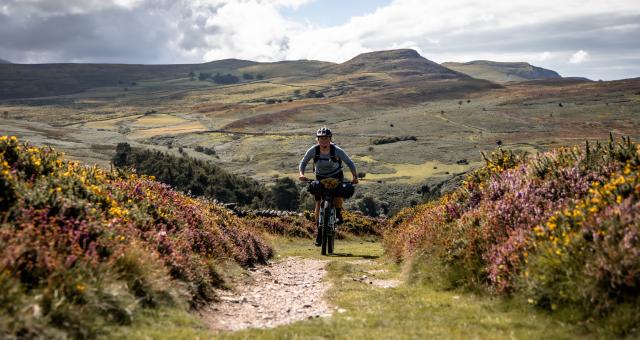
327 221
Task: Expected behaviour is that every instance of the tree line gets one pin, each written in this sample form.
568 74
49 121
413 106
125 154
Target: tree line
203 178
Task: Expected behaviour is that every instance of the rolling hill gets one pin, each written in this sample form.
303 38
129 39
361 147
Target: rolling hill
2 61
402 62
502 72
377 69
40 80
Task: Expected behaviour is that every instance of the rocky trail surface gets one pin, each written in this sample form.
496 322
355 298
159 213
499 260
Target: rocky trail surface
276 294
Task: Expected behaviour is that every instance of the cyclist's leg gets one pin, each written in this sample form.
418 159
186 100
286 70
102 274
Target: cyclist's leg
317 215
318 225
338 201
317 208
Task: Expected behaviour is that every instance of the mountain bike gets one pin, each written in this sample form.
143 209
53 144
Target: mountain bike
326 223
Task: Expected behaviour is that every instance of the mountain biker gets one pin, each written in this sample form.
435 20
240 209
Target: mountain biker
328 159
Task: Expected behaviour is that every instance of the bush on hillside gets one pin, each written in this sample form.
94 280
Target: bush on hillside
560 227
389 140
225 79
284 194
83 248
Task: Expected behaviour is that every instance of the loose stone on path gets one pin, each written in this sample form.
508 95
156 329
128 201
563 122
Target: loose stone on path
281 293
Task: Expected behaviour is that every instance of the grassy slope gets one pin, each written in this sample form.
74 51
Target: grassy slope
408 311
501 72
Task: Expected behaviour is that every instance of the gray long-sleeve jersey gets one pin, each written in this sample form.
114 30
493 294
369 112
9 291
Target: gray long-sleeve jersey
325 166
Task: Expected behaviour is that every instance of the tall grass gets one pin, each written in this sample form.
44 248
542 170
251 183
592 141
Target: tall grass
560 228
82 248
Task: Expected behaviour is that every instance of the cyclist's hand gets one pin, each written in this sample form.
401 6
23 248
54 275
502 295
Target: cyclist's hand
354 180
303 178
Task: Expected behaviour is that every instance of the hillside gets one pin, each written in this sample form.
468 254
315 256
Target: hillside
2 61
40 80
502 72
291 68
395 62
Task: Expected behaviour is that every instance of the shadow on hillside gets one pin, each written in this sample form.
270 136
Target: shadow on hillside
368 257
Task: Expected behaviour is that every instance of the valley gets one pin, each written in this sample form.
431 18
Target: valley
261 128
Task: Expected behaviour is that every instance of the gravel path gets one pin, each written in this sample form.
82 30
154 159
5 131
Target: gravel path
279 293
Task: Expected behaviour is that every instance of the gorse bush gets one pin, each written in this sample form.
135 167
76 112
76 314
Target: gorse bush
82 248
587 254
560 228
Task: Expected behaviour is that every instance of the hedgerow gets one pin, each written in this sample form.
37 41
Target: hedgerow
561 228
82 248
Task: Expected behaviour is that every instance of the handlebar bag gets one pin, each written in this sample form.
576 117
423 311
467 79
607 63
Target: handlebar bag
346 189
315 188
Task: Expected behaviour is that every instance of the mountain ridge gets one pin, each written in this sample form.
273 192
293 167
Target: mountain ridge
403 67
502 72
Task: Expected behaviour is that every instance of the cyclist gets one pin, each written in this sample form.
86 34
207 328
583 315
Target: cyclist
328 160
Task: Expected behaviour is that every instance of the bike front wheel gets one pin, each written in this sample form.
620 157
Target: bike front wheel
325 228
332 231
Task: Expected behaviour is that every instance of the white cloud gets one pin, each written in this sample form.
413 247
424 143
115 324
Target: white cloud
290 3
546 55
174 31
579 57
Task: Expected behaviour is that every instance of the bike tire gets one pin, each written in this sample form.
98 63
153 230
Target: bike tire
331 235
325 229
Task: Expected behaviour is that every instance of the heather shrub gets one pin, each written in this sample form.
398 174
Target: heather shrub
82 248
450 228
561 227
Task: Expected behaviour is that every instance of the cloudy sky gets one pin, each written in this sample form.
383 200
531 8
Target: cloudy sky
591 38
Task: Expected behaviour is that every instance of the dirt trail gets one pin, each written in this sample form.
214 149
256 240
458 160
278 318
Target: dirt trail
277 294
